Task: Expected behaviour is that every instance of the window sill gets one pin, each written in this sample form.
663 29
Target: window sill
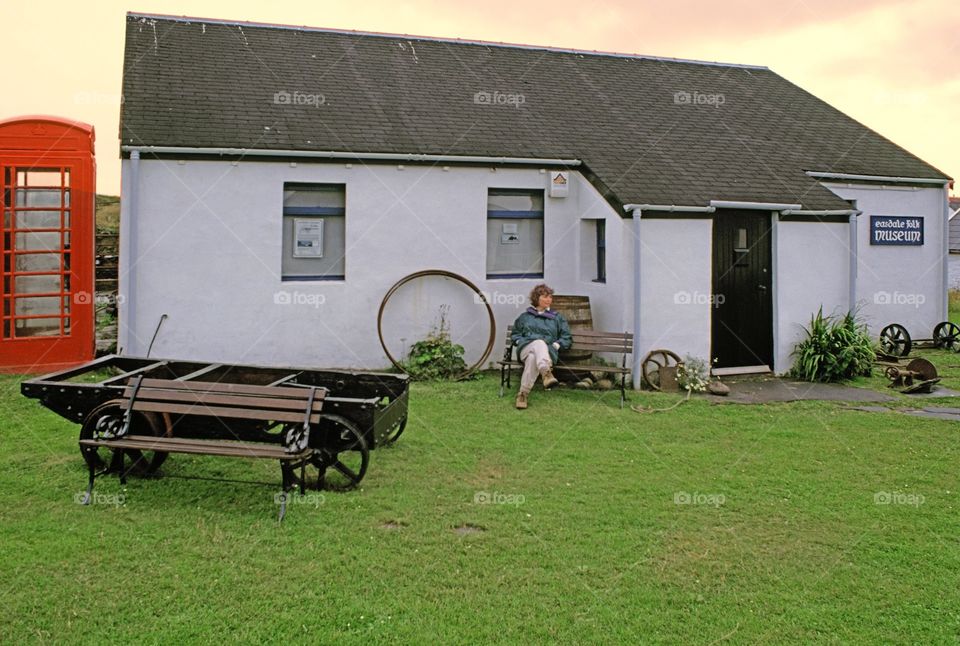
514 276
312 279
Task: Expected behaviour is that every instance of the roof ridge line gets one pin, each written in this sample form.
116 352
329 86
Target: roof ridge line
459 41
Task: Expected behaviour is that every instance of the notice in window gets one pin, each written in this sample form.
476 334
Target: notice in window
308 238
508 233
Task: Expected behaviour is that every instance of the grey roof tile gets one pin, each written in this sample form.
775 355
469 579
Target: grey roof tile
213 84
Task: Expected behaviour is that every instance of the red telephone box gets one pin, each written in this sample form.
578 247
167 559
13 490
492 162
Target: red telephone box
48 183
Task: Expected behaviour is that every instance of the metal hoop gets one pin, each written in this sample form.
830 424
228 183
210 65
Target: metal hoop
446 274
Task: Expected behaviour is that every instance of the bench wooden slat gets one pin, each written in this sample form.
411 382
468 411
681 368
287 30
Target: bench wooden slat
602 334
222 448
200 397
614 341
576 367
245 389
598 368
229 413
608 340
599 347
618 345
589 335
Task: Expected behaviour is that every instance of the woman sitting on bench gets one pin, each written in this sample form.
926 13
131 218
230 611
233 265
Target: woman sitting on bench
539 334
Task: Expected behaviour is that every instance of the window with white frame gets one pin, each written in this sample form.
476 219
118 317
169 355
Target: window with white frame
314 231
514 233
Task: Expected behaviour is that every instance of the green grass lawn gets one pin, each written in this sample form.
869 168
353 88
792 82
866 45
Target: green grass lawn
754 524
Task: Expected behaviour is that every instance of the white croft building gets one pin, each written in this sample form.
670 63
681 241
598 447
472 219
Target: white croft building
711 209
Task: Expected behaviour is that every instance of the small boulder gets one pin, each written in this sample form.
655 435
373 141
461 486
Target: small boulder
605 384
718 388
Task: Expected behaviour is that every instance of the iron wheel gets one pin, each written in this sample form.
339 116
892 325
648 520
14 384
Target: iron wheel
654 362
895 340
947 336
341 455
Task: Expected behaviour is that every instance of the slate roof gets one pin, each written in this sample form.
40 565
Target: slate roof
207 83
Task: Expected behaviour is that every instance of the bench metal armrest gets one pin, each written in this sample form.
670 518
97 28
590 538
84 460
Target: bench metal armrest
297 438
128 416
508 352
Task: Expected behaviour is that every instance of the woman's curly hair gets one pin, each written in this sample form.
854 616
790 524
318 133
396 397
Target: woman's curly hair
537 292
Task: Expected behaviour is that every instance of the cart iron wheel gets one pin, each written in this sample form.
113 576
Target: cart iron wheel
394 434
341 455
895 340
478 295
924 369
654 362
947 336
109 416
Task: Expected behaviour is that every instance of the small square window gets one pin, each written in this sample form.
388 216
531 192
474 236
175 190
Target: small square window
314 232
514 233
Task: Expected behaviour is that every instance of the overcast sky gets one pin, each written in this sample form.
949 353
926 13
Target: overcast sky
891 65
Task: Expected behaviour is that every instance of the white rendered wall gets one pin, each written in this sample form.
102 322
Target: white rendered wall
900 284
208 247
812 270
676 282
607 305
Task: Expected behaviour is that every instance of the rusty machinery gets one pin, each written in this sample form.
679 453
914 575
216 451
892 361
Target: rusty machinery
896 342
918 376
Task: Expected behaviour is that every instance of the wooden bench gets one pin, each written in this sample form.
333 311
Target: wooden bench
298 408
584 340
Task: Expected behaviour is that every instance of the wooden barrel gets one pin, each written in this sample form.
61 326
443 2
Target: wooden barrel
576 309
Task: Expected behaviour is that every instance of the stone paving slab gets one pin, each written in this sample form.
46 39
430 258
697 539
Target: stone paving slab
938 391
775 389
874 409
930 412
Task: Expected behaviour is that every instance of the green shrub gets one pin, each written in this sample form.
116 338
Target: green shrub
436 357
836 348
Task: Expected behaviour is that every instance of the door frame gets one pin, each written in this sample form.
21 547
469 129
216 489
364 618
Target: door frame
772 233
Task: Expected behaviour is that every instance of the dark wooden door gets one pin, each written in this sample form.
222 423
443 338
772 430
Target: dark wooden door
742 290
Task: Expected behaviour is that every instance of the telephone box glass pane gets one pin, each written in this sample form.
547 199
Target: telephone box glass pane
38 284
38 219
37 306
30 197
38 262
37 327
29 241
